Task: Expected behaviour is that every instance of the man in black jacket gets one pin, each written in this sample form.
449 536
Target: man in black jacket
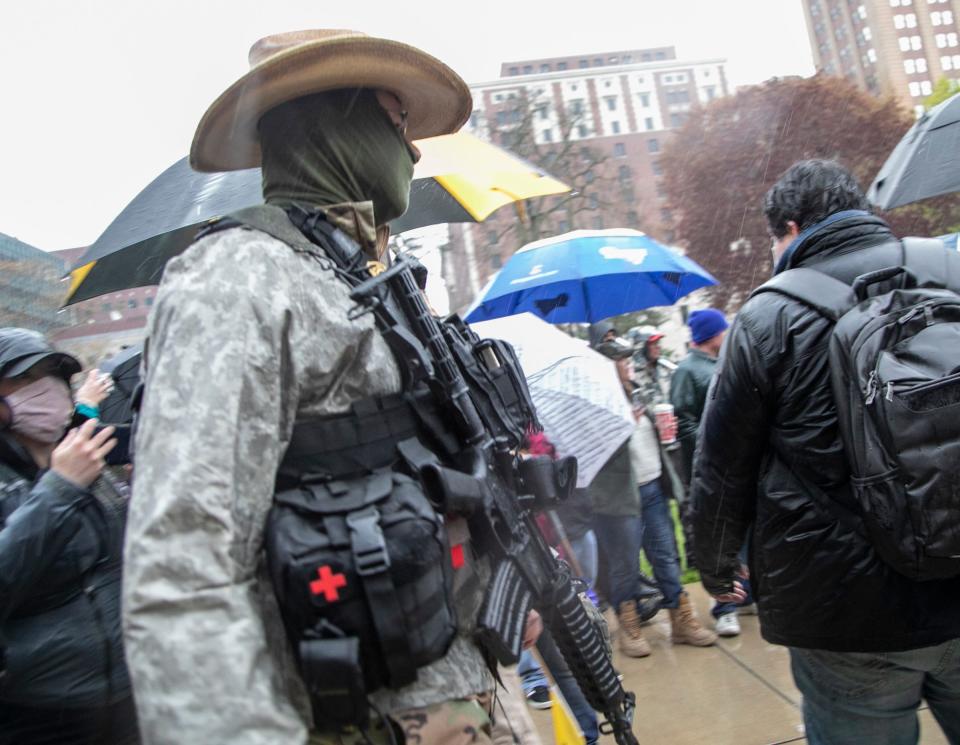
866 643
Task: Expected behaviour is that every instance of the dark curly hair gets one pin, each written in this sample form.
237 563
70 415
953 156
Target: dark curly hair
809 192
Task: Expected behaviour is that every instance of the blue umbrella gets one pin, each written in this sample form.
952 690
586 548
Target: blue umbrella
588 275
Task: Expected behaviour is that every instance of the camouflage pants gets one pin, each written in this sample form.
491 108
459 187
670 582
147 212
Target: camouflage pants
459 722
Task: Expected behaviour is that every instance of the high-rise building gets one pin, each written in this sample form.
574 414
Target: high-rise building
896 48
617 109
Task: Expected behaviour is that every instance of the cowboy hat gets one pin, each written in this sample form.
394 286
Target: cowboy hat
298 63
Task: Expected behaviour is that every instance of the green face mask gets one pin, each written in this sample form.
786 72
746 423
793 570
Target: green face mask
335 147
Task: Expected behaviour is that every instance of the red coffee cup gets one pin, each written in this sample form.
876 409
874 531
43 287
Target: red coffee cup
666 423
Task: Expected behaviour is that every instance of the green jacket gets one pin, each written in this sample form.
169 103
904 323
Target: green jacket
688 394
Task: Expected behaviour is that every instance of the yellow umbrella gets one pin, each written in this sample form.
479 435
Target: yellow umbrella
481 177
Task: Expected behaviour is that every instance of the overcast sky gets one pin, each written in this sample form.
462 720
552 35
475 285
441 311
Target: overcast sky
99 96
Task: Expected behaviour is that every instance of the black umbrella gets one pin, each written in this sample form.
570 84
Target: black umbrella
459 179
124 368
925 163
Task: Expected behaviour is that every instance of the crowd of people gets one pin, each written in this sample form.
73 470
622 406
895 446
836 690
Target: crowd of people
255 401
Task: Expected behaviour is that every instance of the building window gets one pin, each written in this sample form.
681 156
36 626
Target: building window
710 92
911 19
581 130
563 226
914 89
576 107
659 55
611 103
594 202
527 69
916 43
946 63
548 135
131 303
598 61
623 173
492 237
872 55
861 11
951 40
620 150
909 66
644 99
633 219
107 307
542 112
657 170
648 123
653 146
598 222
627 59
495 261
665 214
589 176
677 120
544 68
921 64
148 302
514 70
615 128
904 42
926 87
561 65
583 63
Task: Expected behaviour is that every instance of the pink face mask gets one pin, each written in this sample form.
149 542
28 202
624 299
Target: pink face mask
41 410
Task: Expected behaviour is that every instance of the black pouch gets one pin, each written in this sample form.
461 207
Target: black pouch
363 558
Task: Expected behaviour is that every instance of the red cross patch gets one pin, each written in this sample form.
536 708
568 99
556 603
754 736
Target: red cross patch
329 584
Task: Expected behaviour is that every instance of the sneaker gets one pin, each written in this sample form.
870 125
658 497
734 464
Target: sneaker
728 625
539 697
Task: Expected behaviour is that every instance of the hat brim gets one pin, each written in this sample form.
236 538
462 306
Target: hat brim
67 366
437 100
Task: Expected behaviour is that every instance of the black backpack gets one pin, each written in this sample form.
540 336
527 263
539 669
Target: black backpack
894 360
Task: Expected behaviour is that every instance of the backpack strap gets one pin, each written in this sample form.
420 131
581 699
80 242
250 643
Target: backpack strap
828 296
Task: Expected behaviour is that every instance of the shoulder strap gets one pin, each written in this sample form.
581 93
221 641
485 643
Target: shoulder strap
274 222
828 296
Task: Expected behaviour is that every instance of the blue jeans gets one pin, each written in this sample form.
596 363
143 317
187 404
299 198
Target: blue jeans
585 549
854 697
619 538
531 676
656 535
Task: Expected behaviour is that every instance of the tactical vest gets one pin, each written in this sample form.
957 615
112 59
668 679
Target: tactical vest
358 556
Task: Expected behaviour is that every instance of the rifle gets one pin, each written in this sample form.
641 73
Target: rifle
492 488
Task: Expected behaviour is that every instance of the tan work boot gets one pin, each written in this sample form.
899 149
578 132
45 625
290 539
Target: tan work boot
610 616
685 628
632 643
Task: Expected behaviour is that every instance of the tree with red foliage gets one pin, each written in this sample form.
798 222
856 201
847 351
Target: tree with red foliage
718 167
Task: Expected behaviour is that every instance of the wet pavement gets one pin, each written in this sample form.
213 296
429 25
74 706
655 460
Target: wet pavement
739 692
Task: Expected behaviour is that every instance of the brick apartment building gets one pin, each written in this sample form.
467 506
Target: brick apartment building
620 106
896 48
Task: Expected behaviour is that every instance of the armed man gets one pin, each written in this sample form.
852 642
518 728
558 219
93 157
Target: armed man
303 559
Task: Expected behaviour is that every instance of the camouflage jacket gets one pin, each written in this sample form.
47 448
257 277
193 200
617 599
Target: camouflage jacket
246 336
651 383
